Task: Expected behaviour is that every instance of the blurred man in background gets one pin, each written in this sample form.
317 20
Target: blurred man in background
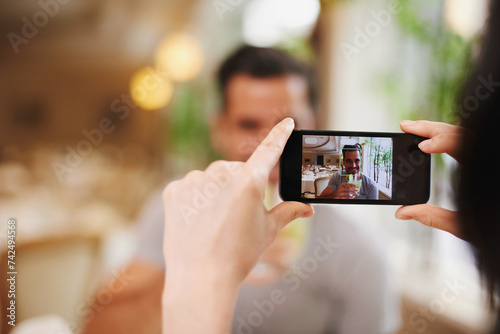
323 275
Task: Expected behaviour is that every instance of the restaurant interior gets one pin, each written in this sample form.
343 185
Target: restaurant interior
322 158
104 101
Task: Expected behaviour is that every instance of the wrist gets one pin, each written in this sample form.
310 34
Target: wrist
202 296
199 281
203 276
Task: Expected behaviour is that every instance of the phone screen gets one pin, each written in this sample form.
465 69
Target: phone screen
347 167
354 168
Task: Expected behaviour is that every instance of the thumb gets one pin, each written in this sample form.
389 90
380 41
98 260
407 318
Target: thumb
432 216
285 212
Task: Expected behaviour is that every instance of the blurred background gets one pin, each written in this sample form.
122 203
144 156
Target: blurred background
103 101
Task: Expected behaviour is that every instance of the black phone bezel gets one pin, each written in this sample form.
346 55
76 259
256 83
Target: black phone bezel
411 169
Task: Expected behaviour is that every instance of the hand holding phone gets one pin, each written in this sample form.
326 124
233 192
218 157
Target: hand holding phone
443 138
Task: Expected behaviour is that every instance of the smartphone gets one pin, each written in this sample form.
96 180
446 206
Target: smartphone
345 167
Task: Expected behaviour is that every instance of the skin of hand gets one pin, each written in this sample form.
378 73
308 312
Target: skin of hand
344 191
216 227
443 138
278 258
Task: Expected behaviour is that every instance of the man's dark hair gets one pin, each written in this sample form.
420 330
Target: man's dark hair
355 147
264 63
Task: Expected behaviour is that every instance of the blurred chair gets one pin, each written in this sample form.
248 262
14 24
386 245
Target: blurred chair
320 184
54 276
383 196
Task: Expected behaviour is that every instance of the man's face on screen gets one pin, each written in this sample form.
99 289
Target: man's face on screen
352 160
253 107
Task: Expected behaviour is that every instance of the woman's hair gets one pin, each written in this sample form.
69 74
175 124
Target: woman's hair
478 192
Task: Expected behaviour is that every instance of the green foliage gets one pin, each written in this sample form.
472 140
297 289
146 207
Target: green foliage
188 136
447 63
381 157
299 48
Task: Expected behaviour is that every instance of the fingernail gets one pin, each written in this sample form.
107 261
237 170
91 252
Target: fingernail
289 121
426 144
407 123
402 216
309 213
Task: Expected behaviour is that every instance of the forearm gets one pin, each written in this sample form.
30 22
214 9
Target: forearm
333 194
198 304
327 193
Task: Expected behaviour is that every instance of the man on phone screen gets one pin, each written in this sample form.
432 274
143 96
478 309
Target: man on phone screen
351 183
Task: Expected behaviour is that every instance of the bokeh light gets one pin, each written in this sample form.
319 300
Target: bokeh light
149 89
465 17
181 56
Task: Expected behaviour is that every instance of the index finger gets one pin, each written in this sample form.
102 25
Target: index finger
265 157
444 138
429 129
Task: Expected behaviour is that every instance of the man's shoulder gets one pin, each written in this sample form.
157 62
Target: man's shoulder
367 179
336 176
334 179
